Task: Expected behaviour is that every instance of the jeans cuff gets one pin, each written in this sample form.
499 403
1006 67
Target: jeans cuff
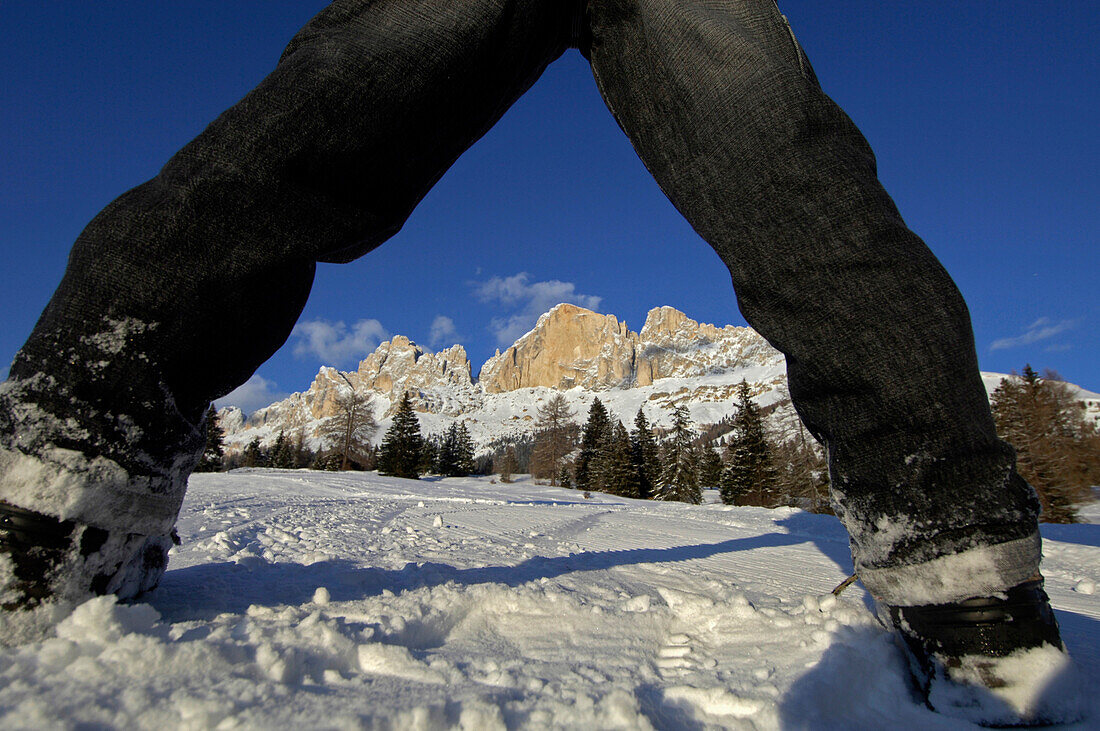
976 572
65 484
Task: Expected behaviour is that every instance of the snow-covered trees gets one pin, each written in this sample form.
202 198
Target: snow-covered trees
618 472
647 457
455 455
749 477
253 455
710 467
596 431
679 478
1057 448
282 454
403 446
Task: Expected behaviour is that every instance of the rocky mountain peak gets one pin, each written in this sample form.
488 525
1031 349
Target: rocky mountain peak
571 346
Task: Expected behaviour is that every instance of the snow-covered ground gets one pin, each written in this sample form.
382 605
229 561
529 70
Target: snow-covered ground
322 600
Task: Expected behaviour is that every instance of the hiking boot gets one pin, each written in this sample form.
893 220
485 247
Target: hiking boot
995 661
43 559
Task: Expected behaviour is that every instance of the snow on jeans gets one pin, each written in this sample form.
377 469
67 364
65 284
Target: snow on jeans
179 289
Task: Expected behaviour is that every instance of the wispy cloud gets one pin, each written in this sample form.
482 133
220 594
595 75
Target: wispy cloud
443 332
528 300
1042 329
255 393
335 343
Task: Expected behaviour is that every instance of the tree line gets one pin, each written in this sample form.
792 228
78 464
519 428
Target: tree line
404 452
749 460
738 458
1057 444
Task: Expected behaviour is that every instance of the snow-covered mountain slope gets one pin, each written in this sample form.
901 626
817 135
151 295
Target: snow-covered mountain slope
321 600
672 361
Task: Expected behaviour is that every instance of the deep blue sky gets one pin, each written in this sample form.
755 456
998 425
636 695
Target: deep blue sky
983 116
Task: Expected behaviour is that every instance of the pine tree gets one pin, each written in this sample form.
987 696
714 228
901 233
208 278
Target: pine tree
594 437
403 446
1057 448
214 451
710 467
464 452
254 455
749 477
282 454
455 452
441 460
679 476
620 477
565 476
329 461
647 458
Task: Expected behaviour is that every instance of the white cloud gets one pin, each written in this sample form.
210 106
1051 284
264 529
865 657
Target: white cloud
1042 329
334 343
443 332
529 300
255 393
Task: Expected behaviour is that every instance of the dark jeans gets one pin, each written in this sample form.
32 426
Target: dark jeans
369 105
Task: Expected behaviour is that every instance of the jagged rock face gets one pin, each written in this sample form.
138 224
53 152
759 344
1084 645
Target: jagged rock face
671 345
401 365
397 366
571 346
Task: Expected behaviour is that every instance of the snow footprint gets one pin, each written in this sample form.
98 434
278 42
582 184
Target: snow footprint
680 655
674 658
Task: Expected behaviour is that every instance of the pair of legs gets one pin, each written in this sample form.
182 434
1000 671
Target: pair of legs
100 421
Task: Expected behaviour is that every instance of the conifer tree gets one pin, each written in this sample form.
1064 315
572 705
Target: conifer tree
1057 447
749 477
710 467
679 476
403 446
329 461
594 436
565 476
620 477
214 451
434 446
464 451
254 455
647 458
456 452
282 453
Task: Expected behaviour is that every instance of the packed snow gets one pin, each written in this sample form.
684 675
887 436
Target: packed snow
305 599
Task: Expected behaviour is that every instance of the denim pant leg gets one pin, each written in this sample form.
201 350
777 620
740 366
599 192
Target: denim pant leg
723 108
180 288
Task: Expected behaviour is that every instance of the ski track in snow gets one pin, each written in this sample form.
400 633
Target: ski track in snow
348 600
